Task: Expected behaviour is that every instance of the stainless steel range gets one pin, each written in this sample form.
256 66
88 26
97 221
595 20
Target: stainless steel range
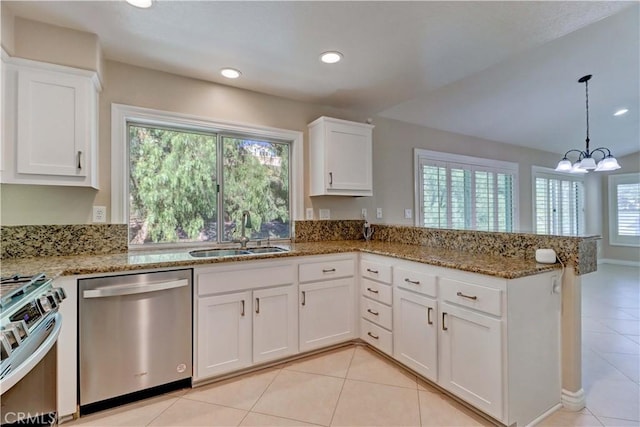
29 328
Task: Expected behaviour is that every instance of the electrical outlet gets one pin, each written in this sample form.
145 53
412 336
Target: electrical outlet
99 214
325 214
364 213
379 213
408 214
308 213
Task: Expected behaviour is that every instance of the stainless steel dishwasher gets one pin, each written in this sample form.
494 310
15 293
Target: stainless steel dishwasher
135 337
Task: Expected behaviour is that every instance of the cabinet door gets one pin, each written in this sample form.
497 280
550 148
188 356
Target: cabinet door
223 340
415 332
275 323
53 123
471 357
349 157
326 313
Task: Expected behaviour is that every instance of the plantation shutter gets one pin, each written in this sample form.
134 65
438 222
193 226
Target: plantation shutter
628 204
465 196
559 205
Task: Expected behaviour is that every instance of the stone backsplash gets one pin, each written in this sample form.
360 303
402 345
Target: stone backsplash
579 252
27 241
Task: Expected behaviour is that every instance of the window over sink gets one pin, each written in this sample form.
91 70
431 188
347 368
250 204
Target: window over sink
186 181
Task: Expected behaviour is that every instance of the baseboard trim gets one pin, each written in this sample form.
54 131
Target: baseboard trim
619 262
542 417
573 400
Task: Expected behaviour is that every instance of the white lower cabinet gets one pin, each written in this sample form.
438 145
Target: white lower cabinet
471 364
326 313
235 330
492 342
326 305
275 323
224 333
415 332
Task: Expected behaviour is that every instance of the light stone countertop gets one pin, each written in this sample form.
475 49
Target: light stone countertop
498 266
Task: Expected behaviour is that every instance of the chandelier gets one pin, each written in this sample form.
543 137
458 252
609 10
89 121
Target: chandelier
585 161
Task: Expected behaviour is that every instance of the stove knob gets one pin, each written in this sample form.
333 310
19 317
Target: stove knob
5 346
44 305
61 293
54 298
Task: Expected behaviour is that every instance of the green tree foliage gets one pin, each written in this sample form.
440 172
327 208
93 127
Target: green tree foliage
172 181
256 178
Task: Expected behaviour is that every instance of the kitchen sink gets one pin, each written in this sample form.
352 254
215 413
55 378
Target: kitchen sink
213 253
210 253
266 250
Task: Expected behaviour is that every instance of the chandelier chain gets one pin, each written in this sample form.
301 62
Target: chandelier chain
586 90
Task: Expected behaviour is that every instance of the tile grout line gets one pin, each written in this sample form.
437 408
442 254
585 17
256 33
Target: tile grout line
262 394
163 411
344 381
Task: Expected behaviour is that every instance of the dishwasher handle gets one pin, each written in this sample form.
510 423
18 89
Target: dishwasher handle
136 288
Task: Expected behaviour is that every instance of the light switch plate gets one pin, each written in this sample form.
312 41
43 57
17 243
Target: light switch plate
99 214
363 213
379 213
408 214
325 214
308 213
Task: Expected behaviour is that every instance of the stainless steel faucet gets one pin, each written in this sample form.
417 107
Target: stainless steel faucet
246 222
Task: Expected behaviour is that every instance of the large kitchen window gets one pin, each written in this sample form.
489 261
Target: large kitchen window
462 192
624 209
558 202
189 181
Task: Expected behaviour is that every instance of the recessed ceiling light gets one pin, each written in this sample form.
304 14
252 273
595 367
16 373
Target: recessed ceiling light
621 112
230 73
331 57
140 3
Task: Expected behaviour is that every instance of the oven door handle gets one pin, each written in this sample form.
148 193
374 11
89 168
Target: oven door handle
21 371
131 289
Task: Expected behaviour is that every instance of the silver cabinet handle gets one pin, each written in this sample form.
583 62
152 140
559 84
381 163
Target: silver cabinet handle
444 326
372 290
304 297
429 310
328 270
257 305
242 312
372 271
330 178
373 336
460 294
79 159
414 282
375 313
137 288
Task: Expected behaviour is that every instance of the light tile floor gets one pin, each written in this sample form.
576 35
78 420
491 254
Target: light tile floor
354 386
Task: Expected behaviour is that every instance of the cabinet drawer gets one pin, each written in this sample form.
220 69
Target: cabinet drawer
471 295
325 270
376 271
420 282
376 291
378 337
376 312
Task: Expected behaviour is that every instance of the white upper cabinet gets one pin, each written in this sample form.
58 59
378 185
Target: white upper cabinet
340 158
50 116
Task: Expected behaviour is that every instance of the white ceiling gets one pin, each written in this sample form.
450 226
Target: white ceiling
505 71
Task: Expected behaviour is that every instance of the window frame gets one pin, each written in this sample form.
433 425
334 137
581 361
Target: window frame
122 114
613 181
495 166
548 173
